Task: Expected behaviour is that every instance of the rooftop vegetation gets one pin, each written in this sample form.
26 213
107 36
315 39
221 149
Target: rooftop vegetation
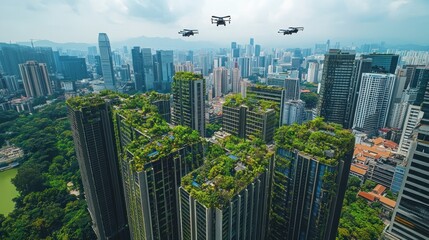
327 142
221 178
92 100
236 100
144 151
266 87
187 76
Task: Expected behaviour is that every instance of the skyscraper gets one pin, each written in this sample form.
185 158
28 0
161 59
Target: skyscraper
164 70
220 79
383 63
313 70
412 120
336 82
244 65
148 69
96 152
236 80
106 61
137 58
188 101
227 198
311 170
375 96
293 112
410 217
36 79
154 157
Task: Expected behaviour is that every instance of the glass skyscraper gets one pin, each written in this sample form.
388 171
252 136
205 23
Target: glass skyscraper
106 61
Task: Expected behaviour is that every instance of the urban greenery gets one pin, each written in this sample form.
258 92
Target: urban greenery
359 220
310 99
45 209
317 138
212 128
221 178
144 151
187 76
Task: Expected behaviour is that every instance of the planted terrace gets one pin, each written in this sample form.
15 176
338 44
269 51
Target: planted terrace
220 179
327 142
259 106
187 76
143 151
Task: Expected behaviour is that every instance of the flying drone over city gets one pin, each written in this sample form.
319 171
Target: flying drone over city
291 30
221 20
188 32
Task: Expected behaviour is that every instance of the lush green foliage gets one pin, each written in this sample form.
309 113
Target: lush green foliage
187 76
144 151
310 99
45 209
235 100
315 138
359 220
85 101
211 129
219 179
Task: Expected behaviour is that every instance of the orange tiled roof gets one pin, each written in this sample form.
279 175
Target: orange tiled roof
361 158
378 141
374 151
391 144
379 189
388 202
357 170
367 196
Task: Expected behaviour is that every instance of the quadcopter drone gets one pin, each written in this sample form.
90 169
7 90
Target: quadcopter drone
291 30
188 32
221 20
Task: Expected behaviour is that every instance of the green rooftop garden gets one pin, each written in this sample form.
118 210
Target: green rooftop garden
221 178
267 87
327 142
187 76
79 102
236 100
144 151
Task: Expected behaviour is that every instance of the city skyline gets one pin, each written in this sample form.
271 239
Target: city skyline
360 21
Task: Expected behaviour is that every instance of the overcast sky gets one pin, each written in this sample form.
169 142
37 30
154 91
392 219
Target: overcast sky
346 21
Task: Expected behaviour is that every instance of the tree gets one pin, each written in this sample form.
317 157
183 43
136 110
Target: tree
29 179
310 99
211 129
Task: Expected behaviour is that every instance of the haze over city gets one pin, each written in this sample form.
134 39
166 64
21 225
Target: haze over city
348 22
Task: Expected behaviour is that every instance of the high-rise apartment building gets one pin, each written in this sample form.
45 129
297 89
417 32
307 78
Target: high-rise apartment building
312 72
293 112
154 158
188 101
410 217
36 79
412 120
106 61
335 85
375 96
220 81
96 152
310 178
228 198
246 119
236 80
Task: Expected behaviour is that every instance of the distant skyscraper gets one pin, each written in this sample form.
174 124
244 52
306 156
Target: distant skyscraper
335 85
137 58
313 70
236 80
188 101
411 215
36 79
148 69
386 63
106 61
375 96
257 50
220 79
96 152
292 89
244 66
309 184
72 68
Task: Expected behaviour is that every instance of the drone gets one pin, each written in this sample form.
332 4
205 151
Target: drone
188 32
221 20
291 30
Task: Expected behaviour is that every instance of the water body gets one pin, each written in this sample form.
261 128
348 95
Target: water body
7 191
